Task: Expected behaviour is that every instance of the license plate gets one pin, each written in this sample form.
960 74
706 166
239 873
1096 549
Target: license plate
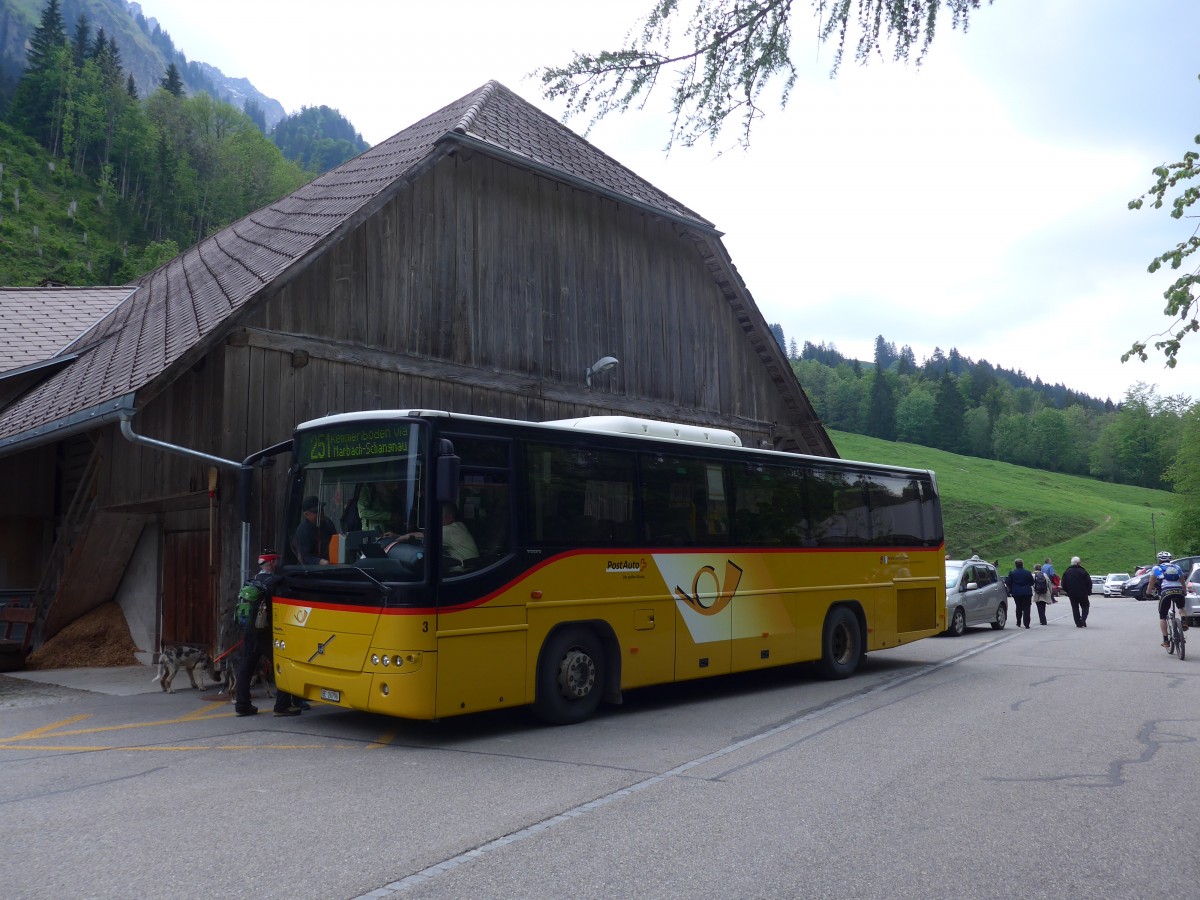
334 696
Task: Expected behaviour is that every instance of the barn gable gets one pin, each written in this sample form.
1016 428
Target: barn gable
479 261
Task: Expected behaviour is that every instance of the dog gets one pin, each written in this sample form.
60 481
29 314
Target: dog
172 659
262 675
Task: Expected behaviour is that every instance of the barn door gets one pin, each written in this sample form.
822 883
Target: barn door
187 588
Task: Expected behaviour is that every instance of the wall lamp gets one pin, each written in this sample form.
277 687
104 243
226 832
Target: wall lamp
603 364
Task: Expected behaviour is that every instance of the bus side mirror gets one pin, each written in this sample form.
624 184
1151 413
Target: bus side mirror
245 491
447 473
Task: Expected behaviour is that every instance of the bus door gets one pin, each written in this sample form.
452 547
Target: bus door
686 525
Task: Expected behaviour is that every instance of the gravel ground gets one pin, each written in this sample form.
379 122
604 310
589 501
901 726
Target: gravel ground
17 693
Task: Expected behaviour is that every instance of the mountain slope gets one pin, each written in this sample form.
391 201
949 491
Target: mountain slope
146 51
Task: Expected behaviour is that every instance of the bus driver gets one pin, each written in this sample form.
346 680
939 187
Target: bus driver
457 542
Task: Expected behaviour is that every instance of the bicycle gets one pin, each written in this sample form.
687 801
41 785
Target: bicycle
1175 637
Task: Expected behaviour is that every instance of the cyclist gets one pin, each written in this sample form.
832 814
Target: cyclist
1167 579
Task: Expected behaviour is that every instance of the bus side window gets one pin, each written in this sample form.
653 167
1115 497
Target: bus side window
685 502
768 506
483 497
579 496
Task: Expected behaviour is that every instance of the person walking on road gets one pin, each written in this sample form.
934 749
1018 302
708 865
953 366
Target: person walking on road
1043 591
1055 582
1020 584
1078 584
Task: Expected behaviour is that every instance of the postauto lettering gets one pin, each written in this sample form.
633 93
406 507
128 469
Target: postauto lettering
376 440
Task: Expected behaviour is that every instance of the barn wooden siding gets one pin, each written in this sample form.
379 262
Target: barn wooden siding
485 289
504 286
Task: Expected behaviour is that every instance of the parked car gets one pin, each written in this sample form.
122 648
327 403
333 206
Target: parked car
1114 582
975 595
1136 586
1097 584
1191 607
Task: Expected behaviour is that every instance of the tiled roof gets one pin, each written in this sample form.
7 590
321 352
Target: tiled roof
36 323
178 305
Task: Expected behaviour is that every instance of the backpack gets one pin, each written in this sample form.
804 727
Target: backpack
249 596
1039 582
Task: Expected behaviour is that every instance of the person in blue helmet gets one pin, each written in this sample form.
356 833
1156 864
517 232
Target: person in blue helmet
1166 579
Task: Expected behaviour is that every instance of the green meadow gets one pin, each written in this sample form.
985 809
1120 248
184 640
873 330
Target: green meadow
1002 511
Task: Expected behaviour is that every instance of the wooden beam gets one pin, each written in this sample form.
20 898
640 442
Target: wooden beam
495 380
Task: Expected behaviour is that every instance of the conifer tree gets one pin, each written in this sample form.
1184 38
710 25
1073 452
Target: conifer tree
37 105
171 82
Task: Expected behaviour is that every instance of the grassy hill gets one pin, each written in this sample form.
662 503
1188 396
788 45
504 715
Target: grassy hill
1004 511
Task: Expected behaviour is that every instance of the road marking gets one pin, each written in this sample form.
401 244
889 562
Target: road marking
46 729
157 748
384 739
430 872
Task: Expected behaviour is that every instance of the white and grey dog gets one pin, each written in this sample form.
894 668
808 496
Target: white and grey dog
172 659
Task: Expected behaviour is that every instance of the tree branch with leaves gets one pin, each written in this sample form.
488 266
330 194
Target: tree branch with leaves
736 48
1183 304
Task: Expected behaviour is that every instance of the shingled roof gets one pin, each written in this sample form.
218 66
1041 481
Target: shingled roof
38 323
180 308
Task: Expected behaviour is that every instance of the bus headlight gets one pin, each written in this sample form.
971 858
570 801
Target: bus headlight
398 659
374 659
386 662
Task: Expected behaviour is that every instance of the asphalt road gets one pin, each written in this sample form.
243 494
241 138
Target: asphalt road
1050 762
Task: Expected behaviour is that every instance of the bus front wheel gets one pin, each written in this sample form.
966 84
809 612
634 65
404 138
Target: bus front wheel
841 644
570 677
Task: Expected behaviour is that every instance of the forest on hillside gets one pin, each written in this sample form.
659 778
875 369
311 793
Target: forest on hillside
99 185
953 403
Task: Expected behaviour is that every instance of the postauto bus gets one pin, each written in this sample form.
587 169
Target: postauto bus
603 554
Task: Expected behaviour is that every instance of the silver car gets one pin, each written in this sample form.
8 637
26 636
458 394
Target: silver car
1191 603
1113 584
975 595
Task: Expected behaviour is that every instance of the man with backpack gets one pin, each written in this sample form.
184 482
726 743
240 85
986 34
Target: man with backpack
254 615
1043 591
1167 580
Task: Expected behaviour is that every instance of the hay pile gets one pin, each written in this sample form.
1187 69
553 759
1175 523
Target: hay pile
99 639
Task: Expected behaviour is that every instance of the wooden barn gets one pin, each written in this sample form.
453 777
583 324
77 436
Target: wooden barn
480 261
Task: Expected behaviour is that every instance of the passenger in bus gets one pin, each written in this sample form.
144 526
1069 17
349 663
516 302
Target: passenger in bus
313 534
379 507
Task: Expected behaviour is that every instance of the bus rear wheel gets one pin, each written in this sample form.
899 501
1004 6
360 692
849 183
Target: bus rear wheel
570 677
841 644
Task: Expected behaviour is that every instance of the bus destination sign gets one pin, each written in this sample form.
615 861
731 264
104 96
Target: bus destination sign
357 442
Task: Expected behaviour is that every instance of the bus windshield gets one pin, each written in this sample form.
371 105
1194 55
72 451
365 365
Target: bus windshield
360 500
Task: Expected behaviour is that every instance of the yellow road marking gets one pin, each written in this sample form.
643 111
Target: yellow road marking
46 729
206 712
41 732
384 739
91 749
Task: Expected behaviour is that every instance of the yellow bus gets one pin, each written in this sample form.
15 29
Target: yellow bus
600 554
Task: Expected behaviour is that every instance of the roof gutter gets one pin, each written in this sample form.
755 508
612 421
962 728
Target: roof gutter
527 162
78 422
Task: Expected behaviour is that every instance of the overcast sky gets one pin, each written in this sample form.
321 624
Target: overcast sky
977 201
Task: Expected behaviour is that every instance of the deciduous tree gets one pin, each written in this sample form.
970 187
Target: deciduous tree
1183 297
736 48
